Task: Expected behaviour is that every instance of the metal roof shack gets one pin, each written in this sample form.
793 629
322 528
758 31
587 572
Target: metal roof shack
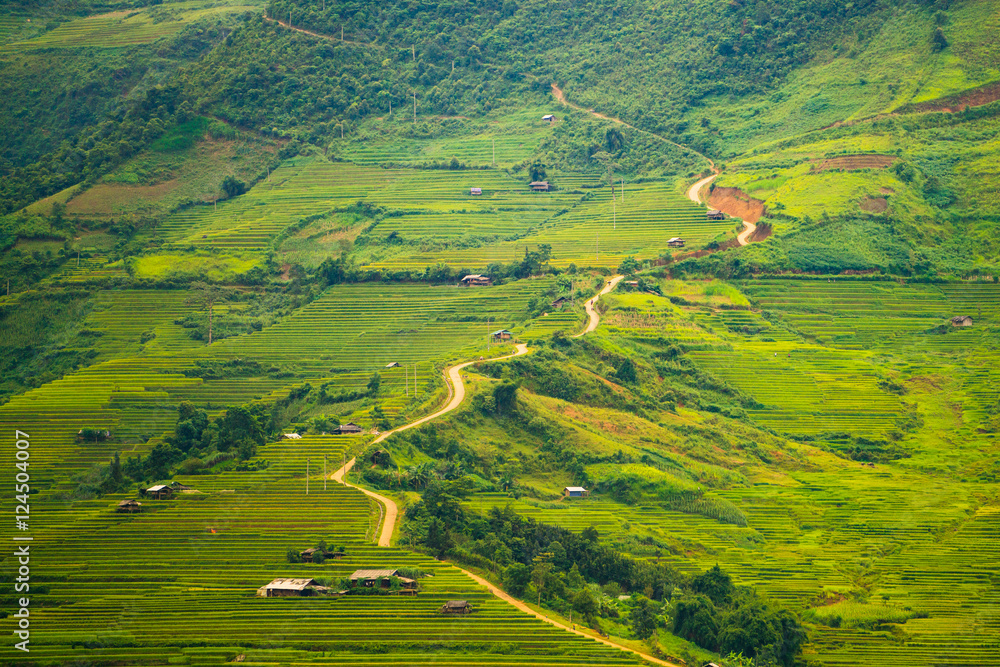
540 186
676 242
369 578
714 214
549 117
475 191
560 302
961 321
575 492
501 334
284 588
350 428
291 436
392 364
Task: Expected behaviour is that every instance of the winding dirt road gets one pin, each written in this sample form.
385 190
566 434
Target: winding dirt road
457 390
595 318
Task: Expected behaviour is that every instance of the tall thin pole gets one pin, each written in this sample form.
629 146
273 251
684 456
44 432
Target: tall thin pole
324 472
406 380
390 106
307 477
414 49
341 33
341 130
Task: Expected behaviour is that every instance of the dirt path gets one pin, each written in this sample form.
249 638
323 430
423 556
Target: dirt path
694 192
456 392
559 95
331 38
528 610
595 319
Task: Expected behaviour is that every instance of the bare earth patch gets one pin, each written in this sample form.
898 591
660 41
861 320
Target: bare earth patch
886 191
856 162
736 203
958 102
874 204
104 198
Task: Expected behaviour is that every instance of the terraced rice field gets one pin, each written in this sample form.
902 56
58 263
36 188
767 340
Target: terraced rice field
126 27
181 585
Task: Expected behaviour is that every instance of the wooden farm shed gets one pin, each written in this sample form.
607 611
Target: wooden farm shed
160 491
501 334
456 607
540 186
307 555
560 302
713 214
961 321
371 578
575 492
392 364
676 242
291 436
476 280
549 117
350 428
475 191
286 588
129 506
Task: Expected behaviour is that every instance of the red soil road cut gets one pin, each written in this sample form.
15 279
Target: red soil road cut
874 204
974 97
737 204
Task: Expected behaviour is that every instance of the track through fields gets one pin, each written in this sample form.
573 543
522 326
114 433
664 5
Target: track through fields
595 318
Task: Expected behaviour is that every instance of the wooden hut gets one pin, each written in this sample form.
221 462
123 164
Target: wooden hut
286 588
961 321
575 492
129 507
560 302
540 186
392 364
714 214
549 117
501 334
456 607
475 191
350 428
381 578
476 280
160 492
676 242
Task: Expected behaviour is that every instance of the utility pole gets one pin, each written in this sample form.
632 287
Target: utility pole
414 49
307 477
406 381
324 472
289 18
78 257
341 130
342 33
390 106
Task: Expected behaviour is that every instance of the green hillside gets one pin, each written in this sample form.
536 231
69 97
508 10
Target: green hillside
225 221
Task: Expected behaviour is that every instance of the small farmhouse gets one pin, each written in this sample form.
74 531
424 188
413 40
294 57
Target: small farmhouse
285 588
350 428
291 436
549 117
575 492
501 334
560 302
307 556
715 215
392 364
961 321
540 186
676 242
476 280
129 507
160 491
456 607
475 191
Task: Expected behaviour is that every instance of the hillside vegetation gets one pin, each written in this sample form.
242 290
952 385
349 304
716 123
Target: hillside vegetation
223 221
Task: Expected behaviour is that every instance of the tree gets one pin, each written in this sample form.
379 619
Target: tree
613 140
644 618
516 578
374 382
716 584
537 171
206 295
238 424
293 556
695 620
539 574
439 539
626 372
585 604
233 187
939 41
628 266
505 397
